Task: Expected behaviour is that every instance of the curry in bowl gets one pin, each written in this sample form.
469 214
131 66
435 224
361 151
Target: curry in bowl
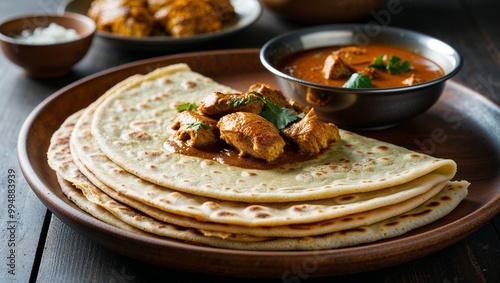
356 66
342 84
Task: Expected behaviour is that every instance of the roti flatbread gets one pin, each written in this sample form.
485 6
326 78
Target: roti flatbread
112 176
77 197
72 170
438 206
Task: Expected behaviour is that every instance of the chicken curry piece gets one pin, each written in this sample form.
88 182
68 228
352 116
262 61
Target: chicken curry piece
194 128
310 134
219 104
252 135
383 66
241 122
177 18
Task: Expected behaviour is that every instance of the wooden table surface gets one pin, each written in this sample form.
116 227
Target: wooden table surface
46 250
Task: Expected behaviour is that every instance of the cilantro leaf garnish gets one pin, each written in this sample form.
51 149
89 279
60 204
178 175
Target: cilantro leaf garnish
378 63
187 106
279 116
358 80
393 64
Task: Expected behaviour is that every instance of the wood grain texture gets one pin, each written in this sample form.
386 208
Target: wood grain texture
28 213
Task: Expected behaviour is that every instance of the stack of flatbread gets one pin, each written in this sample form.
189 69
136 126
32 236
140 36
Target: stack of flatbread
112 161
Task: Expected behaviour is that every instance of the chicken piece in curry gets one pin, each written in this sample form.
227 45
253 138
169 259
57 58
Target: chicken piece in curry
272 94
336 67
277 97
197 130
310 134
252 135
242 121
218 104
412 80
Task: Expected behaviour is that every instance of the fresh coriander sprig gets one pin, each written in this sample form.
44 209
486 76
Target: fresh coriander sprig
393 64
358 80
279 116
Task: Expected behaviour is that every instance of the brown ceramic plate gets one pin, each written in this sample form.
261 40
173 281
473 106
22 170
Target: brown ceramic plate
463 126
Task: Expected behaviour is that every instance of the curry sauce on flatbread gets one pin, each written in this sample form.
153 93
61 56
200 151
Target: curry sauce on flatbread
223 153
